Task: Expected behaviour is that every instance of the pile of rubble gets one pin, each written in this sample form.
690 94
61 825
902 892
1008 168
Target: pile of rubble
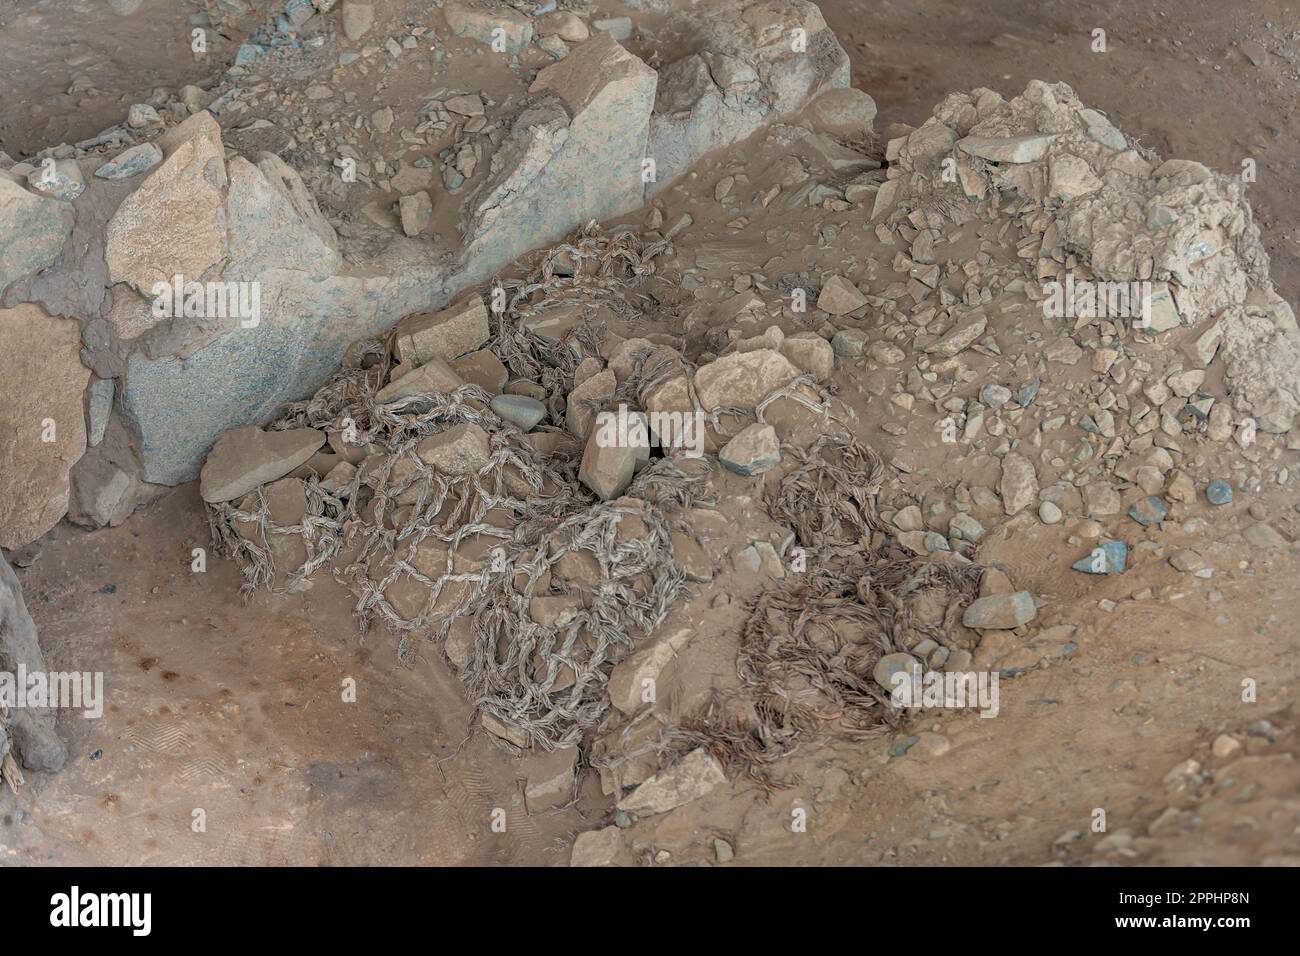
682 492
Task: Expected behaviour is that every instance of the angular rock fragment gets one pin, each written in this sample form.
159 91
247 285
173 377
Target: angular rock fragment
1019 485
434 376
742 379
482 368
448 334
33 229
600 848
840 297
42 424
592 112
607 469
1007 149
549 778
131 162
490 24
753 450
631 684
244 458
697 775
37 745
458 451
1000 611
586 401
961 336
175 223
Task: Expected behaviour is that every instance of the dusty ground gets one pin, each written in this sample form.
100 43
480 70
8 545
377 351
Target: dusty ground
236 709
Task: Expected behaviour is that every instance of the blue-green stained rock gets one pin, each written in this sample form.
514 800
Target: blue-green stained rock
1219 492
1111 557
245 377
1149 511
132 162
32 230
520 410
61 179
902 746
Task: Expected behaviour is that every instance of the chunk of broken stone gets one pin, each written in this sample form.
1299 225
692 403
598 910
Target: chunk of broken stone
889 666
61 179
961 336
849 342
1006 149
244 458
511 733
175 222
131 162
1071 177
490 25
632 682
482 368
32 230
1150 510
1019 485
433 377
31 729
448 334
591 111
357 19
1100 499
743 379
600 848
458 451
697 775
416 213
585 402
548 778
1187 560
1110 557
607 469
753 450
839 296
42 425
1000 611
811 353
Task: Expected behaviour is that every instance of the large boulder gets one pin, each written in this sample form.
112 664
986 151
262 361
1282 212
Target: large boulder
574 155
29 729
42 422
179 407
759 62
275 222
175 223
33 229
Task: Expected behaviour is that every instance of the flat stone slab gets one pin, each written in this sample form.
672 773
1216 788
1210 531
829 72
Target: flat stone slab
698 774
247 457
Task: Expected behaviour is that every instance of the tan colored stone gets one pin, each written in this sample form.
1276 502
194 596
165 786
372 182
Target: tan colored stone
448 334
244 458
175 223
42 382
743 379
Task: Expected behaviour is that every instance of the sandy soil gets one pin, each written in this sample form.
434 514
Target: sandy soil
235 709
